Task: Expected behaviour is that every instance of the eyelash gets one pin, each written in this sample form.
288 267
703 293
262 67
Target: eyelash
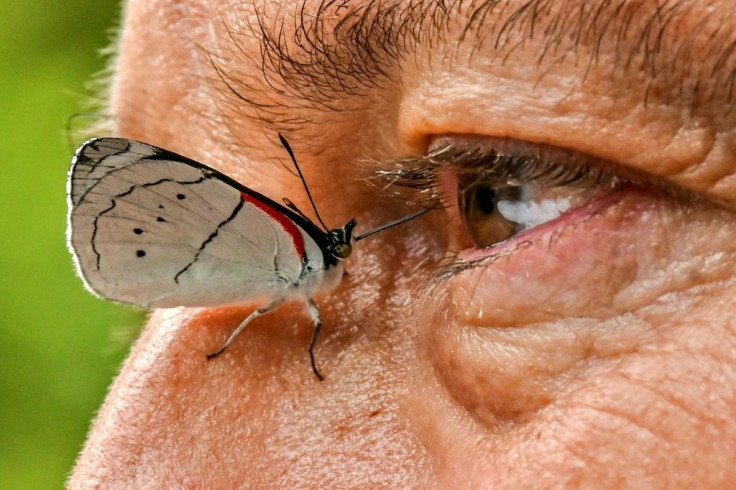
513 170
416 179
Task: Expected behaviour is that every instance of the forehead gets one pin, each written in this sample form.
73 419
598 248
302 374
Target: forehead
318 53
283 56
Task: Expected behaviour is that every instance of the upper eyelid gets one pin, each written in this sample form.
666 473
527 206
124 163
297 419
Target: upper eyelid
414 178
505 166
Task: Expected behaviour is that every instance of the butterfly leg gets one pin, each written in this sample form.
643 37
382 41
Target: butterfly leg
243 324
314 311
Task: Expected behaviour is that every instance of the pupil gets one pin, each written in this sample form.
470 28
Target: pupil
485 198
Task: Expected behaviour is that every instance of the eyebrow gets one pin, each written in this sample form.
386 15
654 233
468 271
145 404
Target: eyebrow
333 55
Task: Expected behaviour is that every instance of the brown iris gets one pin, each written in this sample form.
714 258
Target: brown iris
484 222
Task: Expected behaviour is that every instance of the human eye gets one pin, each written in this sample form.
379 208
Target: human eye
499 194
504 191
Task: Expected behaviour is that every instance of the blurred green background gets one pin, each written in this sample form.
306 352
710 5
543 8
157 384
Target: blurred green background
59 346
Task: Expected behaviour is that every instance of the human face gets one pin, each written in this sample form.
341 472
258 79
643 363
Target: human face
594 348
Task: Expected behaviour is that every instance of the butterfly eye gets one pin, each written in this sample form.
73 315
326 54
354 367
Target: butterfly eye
343 251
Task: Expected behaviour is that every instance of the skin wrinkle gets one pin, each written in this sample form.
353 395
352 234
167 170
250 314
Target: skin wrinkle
514 413
563 435
581 455
670 399
570 438
607 416
630 419
676 290
653 419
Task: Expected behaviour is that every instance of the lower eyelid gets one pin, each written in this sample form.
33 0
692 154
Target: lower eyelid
576 268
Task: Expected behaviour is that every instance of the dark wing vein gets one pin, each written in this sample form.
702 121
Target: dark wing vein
227 220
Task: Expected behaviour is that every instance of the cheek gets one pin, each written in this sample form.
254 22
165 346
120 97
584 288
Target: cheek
506 336
590 352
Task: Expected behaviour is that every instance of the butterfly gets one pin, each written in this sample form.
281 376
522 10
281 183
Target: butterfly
153 228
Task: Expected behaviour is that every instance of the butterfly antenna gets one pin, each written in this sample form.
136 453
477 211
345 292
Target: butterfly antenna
391 224
301 176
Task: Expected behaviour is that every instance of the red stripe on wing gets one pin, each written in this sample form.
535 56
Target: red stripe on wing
282 219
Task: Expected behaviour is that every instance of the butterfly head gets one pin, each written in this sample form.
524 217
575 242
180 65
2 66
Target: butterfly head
339 241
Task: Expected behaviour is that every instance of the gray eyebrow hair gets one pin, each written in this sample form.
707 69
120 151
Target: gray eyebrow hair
670 50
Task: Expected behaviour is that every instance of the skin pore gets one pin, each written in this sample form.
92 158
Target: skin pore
597 348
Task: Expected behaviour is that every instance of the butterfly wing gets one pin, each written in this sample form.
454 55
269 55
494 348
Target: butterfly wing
153 228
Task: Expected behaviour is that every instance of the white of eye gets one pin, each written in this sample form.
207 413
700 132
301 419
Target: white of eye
528 214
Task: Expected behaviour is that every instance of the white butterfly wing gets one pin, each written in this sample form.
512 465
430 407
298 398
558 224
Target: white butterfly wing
152 228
